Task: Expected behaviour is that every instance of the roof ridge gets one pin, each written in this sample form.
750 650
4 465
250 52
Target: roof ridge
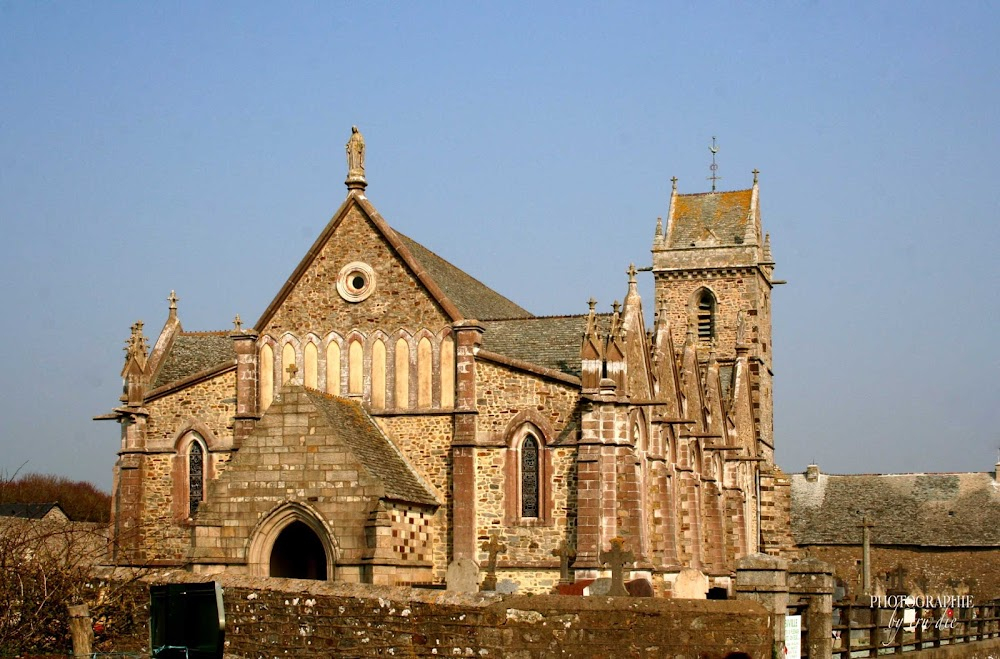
711 192
205 333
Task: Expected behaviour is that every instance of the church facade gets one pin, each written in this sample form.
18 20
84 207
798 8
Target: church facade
388 414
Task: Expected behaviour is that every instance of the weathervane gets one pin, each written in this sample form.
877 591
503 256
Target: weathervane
713 178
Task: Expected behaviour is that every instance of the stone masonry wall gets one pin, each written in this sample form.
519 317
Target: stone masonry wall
507 398
942 571
293 618
426 443
210 404
399 300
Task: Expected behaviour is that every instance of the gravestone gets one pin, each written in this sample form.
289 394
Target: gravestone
565 554
639 588
599 587
507 587
691 584
463 576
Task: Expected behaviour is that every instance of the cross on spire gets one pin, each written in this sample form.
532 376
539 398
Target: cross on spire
172 299
755 173
714 167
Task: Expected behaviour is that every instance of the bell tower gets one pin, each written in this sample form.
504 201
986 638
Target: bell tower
712 268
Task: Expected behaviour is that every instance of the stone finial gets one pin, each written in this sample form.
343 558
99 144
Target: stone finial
172 299
237 324
135 345
592 303
659 229
767 248
356 161
631 273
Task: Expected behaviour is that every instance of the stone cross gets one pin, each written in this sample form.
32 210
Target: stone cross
631 272
492 548
617 559
292 370
173 300
565 554
755 173
237 324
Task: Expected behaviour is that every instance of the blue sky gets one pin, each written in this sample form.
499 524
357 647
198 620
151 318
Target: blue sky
199 147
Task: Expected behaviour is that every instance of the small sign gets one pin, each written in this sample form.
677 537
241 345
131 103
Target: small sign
793 637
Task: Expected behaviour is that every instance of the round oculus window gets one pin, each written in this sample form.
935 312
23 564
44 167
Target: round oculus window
356 281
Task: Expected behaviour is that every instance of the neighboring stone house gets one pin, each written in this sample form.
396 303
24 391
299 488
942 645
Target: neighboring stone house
49 512
388 413
930 534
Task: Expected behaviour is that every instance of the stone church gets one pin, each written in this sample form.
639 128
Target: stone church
388 414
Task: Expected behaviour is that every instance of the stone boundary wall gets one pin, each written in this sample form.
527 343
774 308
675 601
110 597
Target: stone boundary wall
298 618
989 649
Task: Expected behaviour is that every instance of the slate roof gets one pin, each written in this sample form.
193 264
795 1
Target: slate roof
723 213
550 341
27 510
368 443
192 353
473 298
935 510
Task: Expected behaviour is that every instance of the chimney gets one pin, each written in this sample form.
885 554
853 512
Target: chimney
812 473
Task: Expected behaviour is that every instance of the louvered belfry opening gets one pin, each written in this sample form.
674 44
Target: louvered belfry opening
706 316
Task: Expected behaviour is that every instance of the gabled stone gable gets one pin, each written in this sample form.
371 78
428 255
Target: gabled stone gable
294 456
314 305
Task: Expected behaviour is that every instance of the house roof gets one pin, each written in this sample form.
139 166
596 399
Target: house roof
372 448
550 341
194 352
28 510
709 218
473 298
937 510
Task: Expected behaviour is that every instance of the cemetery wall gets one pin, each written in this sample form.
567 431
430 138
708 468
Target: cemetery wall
298 618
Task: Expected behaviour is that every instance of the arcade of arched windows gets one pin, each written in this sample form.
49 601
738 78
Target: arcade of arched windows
399 371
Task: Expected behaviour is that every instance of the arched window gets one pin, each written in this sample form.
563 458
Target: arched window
266 377
425 368
378 374
355 366
529 477
401 383
333 368
706 316
447 373
196 477
310 358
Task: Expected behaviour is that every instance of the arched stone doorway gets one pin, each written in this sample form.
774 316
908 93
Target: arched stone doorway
292 542
298 553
